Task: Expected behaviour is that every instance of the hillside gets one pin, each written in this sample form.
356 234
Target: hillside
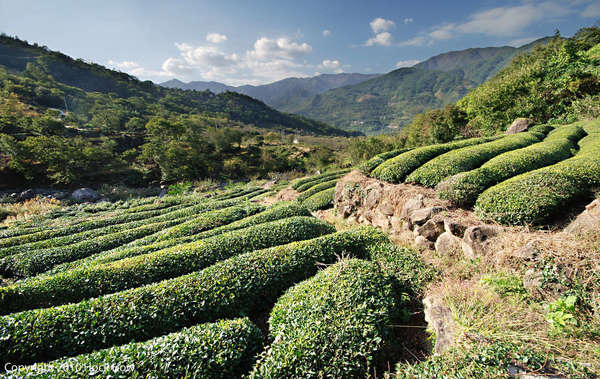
68 121
392 100
287 95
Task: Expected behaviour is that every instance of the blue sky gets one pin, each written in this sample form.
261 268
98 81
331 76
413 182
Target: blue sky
261 41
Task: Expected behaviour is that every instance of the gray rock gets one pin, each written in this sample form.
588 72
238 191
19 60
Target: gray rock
374 192
447 244
422 243
28 194
60 195
430 230
163 192
474 241
386 207
587 221
412 205
454 227
439 318
83 195
420 216
520 125
529 252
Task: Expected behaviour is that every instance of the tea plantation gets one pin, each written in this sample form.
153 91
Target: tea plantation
182 286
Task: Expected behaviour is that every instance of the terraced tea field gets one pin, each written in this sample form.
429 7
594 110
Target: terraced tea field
178 286
524 178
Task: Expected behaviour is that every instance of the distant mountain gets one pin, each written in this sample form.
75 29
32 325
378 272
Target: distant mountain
392 100
287 95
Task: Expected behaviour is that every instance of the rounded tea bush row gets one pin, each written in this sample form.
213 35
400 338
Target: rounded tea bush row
464 188
316 189
306 183
537 196
224 349
78 284
90 234
320 200
333 325
148 244
467 158
33 262
395 170
369 165
237 286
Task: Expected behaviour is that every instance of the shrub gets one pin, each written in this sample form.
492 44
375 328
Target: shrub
243 192
31 262
320 200
236 286
464 188
86 282
277 212
316 189
88 235
224 349
537 196
335 324
468 158
396 169
310 179
368 166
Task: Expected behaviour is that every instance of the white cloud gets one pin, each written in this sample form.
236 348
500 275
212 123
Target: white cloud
326 33
408 20
331 65
444 32
383 39
416 41
135 69
381 25
407 63
216 37
282 48
592 10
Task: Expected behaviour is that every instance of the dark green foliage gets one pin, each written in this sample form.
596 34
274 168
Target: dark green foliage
537 196
335 324
78 284
468 158
320 200
316 189
224 349
371 164
396 169
237 286
464 188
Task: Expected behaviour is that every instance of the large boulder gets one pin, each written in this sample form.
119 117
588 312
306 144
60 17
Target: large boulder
439 318
28 194
430 230
520 125
420 216
83 195
587 221
447 244
412 205
474 242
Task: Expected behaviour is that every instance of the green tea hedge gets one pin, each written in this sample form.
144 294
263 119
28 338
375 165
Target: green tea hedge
537 196
395 170
240 285
148 244
315 189
328 175
320 200
369 165
464 188
468 158
334 325
88 235
87 282
224 349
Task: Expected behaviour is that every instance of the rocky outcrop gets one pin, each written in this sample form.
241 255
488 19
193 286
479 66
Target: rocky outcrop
520 125
588 221
475 240
447 244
